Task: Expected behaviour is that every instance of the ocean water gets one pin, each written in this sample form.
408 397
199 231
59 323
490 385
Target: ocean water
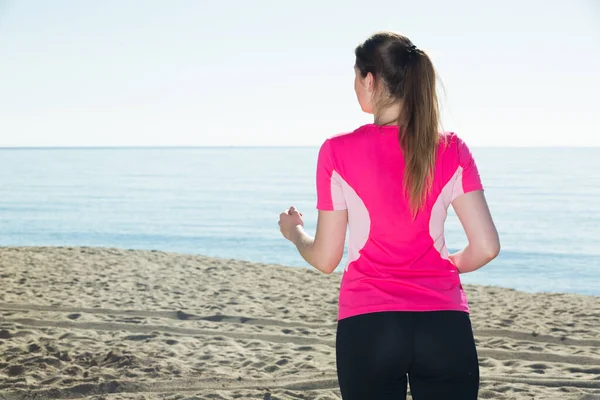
225 202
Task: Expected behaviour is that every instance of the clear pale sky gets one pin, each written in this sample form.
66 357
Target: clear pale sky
205 73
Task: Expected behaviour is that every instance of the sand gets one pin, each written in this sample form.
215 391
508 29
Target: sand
83 323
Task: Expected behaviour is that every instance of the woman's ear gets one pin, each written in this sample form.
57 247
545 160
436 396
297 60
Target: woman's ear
370 83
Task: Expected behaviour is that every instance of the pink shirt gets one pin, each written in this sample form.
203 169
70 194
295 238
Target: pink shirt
394 263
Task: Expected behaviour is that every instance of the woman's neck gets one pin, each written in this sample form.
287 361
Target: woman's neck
387 116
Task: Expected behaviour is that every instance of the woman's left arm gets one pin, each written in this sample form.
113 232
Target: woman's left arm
326 249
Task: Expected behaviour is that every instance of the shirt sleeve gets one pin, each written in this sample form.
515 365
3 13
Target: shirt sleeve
467 176
330 195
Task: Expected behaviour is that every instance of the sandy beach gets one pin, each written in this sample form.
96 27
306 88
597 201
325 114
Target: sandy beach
83 323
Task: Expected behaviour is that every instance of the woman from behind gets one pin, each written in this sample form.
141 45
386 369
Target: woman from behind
403 315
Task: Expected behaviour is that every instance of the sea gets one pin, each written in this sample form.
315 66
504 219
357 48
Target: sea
225 202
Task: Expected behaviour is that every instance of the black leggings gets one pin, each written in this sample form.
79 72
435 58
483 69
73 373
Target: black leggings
436 349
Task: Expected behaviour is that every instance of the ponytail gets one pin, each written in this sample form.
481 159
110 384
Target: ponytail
419 122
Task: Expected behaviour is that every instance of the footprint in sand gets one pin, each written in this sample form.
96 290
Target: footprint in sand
271 368
34 348
15 370
138 338
539 368
4 334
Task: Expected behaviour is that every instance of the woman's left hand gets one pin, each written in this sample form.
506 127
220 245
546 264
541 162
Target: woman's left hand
289 221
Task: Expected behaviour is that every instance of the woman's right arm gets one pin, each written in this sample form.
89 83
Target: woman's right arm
484 245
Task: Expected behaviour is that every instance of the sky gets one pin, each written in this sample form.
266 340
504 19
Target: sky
280 73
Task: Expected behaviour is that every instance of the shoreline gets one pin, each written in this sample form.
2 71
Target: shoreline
91 322
338 271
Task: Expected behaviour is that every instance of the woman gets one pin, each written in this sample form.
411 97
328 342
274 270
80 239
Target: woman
403 315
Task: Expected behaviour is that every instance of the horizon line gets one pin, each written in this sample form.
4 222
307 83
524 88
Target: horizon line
171 147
